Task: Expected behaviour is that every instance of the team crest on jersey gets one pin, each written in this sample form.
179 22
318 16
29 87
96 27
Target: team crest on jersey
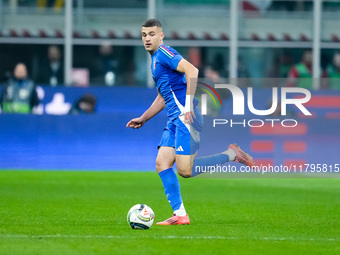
154 64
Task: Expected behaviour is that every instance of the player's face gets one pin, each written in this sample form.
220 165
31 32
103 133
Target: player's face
152 37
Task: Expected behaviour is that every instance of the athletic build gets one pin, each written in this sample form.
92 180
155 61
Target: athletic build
175 79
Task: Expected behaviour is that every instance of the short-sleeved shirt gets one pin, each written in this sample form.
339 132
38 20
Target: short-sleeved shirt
171 84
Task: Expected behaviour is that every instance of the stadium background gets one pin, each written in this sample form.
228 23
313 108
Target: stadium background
49 205
264 40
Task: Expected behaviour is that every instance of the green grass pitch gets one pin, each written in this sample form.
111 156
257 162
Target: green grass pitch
85 213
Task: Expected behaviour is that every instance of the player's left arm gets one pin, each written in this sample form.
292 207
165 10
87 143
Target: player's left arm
191 73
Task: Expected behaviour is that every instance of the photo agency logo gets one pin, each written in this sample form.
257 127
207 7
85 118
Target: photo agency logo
289 96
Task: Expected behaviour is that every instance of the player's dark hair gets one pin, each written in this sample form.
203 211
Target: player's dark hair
152 23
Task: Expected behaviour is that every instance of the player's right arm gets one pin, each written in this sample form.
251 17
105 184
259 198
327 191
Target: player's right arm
157 106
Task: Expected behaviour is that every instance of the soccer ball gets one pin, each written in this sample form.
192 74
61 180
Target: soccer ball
140 216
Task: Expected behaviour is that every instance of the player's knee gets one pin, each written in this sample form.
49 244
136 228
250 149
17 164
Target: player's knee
183 168
184 172
162 163
159 164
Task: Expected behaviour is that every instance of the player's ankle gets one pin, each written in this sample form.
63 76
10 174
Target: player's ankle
181 214
231 153
180 211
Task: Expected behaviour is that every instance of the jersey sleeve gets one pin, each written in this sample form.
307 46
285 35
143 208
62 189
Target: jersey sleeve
169 57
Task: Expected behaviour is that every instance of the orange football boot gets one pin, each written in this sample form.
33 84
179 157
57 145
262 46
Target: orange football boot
176 220
241 156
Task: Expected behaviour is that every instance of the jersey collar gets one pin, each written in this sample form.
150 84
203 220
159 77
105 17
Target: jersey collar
158 48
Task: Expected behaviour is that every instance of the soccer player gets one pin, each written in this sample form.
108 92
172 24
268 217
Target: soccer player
176 81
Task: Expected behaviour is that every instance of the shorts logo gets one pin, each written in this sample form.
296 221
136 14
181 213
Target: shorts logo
179 148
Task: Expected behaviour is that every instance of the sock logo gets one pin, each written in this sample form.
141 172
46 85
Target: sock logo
179 148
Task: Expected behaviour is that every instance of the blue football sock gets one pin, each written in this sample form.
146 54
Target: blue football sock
201 164
171 188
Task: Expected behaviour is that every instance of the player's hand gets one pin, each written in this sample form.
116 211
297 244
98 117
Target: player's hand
189 117
189 114
135 123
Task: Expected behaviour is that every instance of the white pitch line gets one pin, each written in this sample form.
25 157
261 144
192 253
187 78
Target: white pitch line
172 237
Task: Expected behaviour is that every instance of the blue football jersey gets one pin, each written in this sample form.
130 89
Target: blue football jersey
171 84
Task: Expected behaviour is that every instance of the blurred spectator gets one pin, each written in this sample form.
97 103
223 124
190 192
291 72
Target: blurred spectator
195 57
219 65
84 105
105 66
211 75
297 5
242 71
56 4
300 75
52 70
303 5
58 106
281 67
331 6
282 5
255 5
19 95
332 72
